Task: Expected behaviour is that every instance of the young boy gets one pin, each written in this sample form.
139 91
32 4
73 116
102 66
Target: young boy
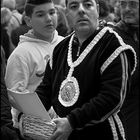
26 65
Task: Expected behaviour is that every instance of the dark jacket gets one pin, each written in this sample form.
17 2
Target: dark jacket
6 42
101 89
6 117
130 109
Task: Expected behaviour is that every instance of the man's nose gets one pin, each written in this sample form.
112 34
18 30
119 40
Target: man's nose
127 6
81 8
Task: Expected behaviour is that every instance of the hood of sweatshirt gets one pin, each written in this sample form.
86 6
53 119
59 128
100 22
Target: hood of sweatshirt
28 40
29 37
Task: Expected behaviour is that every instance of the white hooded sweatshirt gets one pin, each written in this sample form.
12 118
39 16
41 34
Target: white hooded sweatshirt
26 65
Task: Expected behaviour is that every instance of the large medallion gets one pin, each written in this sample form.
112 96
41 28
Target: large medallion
69 92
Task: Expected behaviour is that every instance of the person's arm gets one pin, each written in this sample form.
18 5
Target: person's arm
113 88
6 116
8 132
17 75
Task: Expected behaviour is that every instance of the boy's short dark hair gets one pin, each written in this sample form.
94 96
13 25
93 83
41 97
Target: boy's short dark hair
29 9
66 2
31 4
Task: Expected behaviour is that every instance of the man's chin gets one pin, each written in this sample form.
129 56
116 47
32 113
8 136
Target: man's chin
83 28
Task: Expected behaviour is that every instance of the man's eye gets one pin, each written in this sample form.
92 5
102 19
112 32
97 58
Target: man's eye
123 3
73 7
133 4
87 5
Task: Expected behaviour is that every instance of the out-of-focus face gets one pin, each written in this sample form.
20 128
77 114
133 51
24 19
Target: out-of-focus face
83 15
44 20
129 10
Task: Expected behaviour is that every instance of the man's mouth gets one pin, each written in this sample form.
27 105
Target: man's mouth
129 15
82 20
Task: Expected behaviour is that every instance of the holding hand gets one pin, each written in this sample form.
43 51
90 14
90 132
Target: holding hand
63 129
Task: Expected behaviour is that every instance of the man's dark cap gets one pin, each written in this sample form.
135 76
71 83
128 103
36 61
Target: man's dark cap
37 2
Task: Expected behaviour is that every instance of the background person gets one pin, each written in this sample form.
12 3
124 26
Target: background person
6 42
128 28
16 18
21 30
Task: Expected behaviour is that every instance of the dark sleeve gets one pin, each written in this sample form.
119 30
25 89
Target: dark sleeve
14 37
113 87
44 90
8 132
6 117
5 43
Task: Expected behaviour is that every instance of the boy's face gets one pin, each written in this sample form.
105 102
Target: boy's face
129 10
83 14
43 20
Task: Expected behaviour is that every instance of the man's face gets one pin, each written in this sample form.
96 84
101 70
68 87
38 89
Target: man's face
83 14
129 10
44 20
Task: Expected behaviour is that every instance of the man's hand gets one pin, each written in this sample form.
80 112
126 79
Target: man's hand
63 129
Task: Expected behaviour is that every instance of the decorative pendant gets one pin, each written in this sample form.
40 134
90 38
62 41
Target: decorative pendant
69 92
69 89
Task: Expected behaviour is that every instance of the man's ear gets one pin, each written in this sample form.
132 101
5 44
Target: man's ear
28 21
